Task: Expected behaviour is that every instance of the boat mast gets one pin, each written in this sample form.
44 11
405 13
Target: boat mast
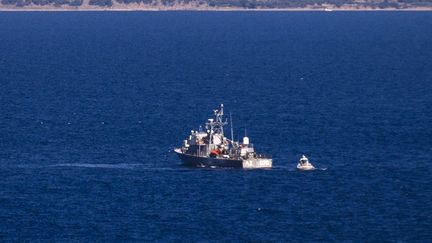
232 130
215 126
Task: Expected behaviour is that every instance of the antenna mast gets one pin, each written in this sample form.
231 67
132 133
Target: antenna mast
232 131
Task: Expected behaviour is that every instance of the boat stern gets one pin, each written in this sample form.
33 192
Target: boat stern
257 163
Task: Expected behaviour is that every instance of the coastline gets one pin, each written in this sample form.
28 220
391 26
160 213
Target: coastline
202 8
209 10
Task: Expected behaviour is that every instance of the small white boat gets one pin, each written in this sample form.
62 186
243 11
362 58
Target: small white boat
304 164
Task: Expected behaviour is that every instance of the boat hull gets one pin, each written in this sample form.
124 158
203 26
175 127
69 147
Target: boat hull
198 161
305 167
257 163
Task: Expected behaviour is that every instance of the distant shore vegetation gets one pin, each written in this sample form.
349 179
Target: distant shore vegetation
217 4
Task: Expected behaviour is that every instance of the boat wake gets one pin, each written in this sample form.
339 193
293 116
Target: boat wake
294 169
123 166
107 166
315 169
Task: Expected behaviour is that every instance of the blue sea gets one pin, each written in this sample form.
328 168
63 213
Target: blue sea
92 105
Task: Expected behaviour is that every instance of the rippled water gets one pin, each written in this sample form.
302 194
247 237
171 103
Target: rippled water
92 105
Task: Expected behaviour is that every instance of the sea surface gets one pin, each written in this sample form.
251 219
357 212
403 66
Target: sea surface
93 103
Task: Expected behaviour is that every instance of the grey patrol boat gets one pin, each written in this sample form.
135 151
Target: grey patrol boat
210 148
